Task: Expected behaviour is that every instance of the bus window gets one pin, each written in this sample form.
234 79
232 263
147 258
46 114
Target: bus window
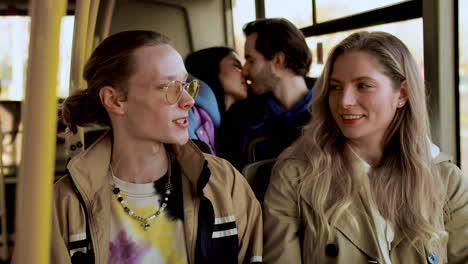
243 11
410 32
299 12
14 56
329 10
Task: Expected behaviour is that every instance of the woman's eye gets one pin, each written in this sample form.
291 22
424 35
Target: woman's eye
335 87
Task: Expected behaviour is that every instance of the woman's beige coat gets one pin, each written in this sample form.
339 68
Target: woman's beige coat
288 218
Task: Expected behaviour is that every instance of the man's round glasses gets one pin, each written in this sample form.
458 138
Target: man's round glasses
174 90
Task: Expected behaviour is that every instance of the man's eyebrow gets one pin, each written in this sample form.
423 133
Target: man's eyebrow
171 78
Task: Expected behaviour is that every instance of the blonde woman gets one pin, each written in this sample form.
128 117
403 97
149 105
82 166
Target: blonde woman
364 184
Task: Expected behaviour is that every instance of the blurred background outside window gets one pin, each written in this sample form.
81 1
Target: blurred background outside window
14 47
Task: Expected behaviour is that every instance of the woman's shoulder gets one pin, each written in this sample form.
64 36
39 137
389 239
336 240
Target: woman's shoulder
447 168
290 166
290 170
451 175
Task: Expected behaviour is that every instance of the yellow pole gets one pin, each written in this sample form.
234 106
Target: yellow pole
80 32
78 59
108 13
93 12
3 213
34 197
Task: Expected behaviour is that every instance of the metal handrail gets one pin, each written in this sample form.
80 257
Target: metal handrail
3 211
34 190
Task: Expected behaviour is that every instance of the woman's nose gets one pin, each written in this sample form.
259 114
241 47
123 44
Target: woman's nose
348 98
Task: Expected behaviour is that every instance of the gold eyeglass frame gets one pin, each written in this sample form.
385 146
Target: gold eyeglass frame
191 87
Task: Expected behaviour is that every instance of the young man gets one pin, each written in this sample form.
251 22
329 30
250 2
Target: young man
143 193
263 125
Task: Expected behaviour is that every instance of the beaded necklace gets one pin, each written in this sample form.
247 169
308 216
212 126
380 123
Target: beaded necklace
144 221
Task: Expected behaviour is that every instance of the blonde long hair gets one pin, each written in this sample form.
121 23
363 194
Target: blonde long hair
406 187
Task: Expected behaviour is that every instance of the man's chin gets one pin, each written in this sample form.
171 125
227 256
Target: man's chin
258 91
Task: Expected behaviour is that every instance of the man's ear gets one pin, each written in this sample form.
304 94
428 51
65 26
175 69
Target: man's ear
403 97
278 60
111 99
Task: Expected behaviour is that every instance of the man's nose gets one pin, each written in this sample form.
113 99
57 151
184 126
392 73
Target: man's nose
245 71
186 100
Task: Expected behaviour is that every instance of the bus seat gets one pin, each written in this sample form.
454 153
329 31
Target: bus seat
252 146
257 175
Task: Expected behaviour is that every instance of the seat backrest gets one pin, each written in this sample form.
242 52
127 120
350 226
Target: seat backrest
252 148
257 175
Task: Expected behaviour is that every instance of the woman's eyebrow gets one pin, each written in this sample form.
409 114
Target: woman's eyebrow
363 78
360 78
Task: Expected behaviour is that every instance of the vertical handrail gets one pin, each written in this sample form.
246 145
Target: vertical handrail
80 34
108 13
80 37
3 212
93 12
314 13
34 197
260 8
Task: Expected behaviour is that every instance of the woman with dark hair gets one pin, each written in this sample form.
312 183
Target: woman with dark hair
364 183
143 192
220 68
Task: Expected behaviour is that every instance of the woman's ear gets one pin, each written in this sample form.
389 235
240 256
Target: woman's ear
403 94
111 99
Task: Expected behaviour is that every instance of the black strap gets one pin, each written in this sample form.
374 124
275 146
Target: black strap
80 257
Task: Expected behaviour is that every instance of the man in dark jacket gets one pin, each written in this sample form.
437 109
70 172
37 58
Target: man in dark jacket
263 125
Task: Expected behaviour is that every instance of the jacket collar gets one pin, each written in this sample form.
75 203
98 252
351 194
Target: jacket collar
89 169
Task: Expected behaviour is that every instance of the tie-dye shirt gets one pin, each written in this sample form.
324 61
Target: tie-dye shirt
163 242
